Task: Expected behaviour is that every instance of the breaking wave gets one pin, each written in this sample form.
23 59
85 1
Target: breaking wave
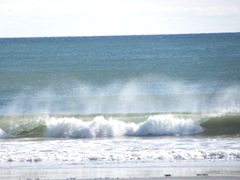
120 125
100 127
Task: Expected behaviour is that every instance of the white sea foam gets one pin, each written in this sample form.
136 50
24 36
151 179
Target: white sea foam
167 125
100 127
121 150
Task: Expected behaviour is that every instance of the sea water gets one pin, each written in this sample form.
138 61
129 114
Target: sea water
120 101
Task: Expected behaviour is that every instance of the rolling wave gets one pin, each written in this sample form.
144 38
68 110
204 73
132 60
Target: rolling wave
120 125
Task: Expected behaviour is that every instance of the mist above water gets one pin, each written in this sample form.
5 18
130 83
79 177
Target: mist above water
139 95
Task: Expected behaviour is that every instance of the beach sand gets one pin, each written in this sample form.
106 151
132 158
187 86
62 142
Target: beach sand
160 178
120 174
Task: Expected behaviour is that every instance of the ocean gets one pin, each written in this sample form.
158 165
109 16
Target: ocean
120 102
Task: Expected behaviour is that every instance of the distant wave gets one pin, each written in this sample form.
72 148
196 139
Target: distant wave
128 125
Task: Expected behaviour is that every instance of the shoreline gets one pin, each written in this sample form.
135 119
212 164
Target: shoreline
127 173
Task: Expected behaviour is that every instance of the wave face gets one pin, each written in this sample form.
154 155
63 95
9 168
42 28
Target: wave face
120 125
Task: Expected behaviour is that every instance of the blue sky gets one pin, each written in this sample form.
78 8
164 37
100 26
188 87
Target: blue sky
29 18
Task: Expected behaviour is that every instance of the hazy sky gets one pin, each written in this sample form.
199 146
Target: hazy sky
30 18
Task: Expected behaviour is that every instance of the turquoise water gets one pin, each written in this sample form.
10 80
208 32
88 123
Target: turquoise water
147 80
126 101
122 74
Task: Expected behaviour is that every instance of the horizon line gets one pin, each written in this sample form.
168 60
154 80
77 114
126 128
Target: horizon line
123 35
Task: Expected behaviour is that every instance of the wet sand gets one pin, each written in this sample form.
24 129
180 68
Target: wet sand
160 178
117 174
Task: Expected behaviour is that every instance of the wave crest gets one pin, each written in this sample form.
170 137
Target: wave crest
119 125
100 127
167 125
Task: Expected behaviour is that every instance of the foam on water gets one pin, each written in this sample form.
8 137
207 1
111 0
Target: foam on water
167 125
117 151
99 127
120 125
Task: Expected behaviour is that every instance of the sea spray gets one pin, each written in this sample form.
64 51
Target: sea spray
159 125
145 94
